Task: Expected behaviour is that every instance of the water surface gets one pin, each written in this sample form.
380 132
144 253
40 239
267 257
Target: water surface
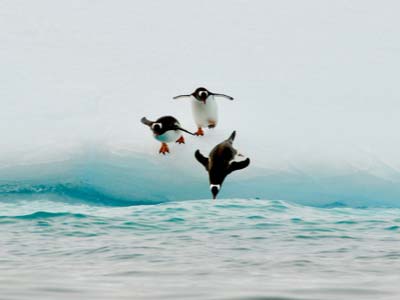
229 249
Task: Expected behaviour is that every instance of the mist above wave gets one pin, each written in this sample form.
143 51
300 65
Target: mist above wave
119 179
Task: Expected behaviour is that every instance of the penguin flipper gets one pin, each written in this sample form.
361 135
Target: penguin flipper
238 165
201 159
223 95
181 96
182 129
147 122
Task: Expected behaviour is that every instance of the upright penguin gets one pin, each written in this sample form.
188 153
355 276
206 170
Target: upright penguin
165 130
204 108
221 162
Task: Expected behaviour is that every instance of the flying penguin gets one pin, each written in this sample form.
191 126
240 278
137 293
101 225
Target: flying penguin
204 108
165 130
221 162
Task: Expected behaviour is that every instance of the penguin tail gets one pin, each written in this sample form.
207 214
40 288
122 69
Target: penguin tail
232 137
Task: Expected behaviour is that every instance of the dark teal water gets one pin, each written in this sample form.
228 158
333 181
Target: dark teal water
228 249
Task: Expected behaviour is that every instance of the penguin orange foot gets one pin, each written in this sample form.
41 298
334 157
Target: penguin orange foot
199 132
181 140
164 149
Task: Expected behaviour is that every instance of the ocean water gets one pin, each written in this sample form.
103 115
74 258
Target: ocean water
54 248
90 210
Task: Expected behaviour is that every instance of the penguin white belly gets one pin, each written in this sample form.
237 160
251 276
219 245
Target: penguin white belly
205 114
239 157
168 136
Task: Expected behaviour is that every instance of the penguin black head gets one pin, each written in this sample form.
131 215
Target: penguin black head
161 125
217 175
201 94
157 128
215 190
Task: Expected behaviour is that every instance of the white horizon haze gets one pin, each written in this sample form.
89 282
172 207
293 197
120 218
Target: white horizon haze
315 82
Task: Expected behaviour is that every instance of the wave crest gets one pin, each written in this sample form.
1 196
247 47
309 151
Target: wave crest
117 180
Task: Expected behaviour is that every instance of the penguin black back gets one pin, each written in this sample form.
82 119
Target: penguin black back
163 124
220 163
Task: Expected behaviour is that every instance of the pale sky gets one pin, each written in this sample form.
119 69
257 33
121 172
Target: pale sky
316 83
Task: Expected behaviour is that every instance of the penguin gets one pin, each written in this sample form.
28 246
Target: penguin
165 130
204 108
221 162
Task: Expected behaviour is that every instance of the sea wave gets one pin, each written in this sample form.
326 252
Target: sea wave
67 192
44 215
122 180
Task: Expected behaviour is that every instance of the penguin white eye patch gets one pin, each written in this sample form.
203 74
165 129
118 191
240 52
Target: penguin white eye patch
156 124
203 94
218 186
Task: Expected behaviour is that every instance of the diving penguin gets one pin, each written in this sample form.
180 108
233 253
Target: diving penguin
221 162
204 108
165 130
